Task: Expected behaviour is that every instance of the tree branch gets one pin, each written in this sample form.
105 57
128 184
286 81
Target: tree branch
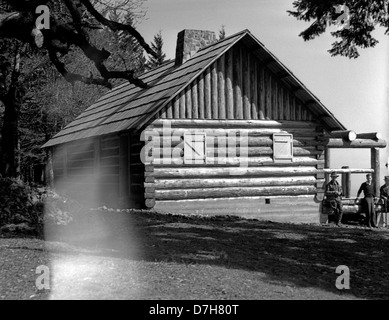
127 74
116 26
66 34
73 77
21 25
95 55
106 74
76 15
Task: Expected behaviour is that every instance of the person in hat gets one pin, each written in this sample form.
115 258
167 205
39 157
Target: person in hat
368 201
333 193
384 196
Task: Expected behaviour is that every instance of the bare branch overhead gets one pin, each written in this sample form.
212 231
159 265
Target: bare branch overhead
67 30
116 26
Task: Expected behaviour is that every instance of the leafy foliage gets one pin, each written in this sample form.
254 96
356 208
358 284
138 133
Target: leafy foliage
356 21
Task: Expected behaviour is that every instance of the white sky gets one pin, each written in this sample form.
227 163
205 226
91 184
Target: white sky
355 91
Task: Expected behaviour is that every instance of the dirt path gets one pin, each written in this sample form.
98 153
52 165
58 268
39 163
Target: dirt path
141 255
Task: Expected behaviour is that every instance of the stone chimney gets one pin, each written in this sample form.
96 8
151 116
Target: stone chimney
191 41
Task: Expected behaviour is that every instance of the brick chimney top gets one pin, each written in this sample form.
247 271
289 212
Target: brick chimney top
191 41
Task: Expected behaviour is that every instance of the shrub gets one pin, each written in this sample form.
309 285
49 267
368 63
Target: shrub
26 208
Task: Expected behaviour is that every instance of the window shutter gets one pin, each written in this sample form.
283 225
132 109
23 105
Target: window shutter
194 148
282 147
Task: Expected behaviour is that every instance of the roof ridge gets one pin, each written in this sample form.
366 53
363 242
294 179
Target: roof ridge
222 40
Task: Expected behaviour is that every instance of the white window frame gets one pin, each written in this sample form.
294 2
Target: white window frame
188 150
280 139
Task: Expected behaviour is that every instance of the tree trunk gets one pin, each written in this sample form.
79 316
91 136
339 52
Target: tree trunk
10 144
49 173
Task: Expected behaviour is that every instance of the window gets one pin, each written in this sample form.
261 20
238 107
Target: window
194 148
282 147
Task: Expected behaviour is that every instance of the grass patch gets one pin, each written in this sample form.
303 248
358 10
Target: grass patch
144 255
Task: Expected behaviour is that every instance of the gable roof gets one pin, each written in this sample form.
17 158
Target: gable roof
128 106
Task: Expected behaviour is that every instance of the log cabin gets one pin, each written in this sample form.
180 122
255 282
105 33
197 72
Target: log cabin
223 129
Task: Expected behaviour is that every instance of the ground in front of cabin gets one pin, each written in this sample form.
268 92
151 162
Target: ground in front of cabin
144 255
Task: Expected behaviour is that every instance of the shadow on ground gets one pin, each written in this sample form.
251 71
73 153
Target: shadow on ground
301 255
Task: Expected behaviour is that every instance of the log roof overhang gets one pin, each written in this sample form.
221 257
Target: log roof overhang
127 107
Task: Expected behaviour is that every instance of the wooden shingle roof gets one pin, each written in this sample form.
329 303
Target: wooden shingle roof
128 106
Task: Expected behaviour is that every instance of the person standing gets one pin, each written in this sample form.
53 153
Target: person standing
384 195
368 201
333 193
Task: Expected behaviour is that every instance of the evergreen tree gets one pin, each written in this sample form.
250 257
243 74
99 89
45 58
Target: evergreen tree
127 53
222 33
355 22
157 46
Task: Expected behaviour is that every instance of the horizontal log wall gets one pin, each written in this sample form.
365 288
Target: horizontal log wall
109 161
80 159
275 208
74 170
136 169
59 163
88 170
236 86
357 143
105 170
74 160
233 173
